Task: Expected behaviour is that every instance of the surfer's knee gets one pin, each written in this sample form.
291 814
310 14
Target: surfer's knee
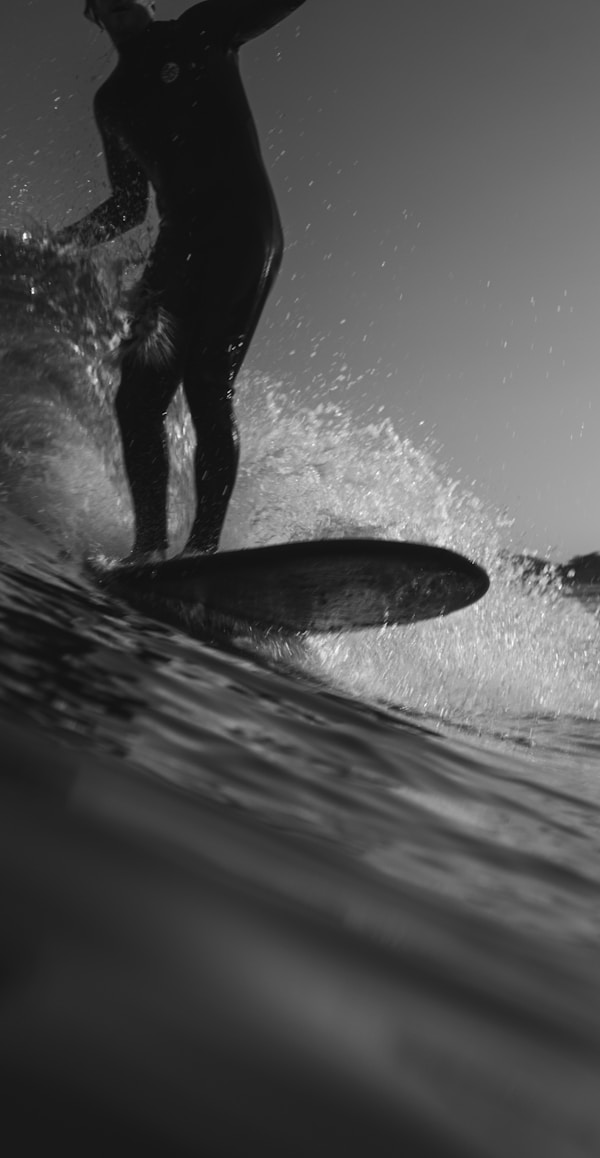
125 407
145 392
208 376
212 414
133 406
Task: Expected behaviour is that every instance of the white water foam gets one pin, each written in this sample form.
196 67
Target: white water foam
307 470
523 650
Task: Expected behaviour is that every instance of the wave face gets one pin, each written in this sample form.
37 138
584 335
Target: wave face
349 882
307 471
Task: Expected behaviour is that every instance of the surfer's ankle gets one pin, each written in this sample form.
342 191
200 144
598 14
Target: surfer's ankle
201 545
146 555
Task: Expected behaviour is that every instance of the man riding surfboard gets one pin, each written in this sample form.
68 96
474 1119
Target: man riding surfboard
173 114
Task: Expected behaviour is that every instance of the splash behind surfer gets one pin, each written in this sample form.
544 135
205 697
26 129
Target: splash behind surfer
173 114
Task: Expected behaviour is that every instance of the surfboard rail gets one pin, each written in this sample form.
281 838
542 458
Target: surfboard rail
315 585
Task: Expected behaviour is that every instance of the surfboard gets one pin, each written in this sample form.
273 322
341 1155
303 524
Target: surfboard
320 585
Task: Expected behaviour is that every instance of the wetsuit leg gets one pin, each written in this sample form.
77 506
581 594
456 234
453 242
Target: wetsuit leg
149 380
211 368
208 385
210 285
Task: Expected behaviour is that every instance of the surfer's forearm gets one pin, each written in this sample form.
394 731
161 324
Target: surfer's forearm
104 223
263 11
254 17
242 20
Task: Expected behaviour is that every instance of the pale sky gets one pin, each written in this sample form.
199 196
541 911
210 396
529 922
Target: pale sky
437 170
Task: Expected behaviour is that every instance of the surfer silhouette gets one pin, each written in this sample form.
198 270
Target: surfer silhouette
174 115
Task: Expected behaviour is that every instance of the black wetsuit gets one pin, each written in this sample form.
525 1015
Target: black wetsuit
174 113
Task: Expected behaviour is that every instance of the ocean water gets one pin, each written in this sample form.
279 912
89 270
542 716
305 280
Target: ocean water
322 894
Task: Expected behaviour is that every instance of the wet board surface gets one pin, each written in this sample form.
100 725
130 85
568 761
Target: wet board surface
319 585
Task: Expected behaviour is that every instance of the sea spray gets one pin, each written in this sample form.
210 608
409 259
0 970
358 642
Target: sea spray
61 463
309 468
525 650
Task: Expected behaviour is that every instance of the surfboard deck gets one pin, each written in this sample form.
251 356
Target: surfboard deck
320 585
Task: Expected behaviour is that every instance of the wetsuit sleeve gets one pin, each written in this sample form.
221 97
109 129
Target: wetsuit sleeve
128 203
233 22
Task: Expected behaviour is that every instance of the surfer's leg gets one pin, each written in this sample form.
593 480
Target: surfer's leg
210 372
148 384
152 361
208 383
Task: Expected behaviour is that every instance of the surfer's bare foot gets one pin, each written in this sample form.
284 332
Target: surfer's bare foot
194 549
136 558
199 544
